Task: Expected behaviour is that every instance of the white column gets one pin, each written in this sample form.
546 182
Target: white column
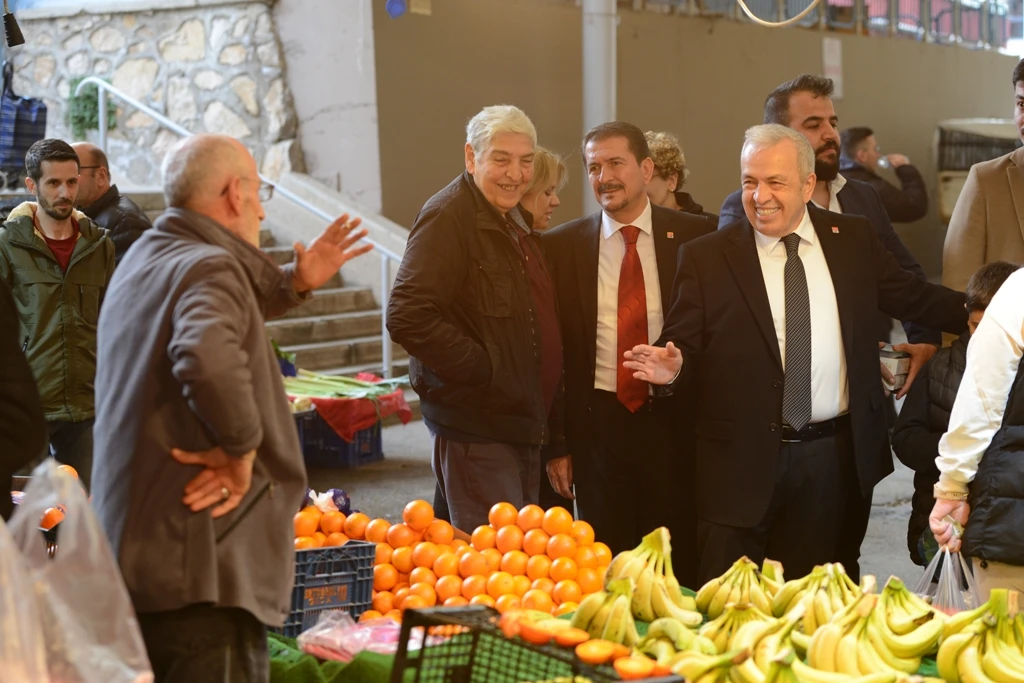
600 25
333 81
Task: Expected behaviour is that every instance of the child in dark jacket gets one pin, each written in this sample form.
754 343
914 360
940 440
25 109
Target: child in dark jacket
924 417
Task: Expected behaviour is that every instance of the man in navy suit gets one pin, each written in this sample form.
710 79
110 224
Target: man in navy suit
805 105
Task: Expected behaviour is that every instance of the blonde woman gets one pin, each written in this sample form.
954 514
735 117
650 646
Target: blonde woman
541 198
670 173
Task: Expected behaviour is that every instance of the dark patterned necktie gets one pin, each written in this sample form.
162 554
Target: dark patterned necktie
631 321
796 393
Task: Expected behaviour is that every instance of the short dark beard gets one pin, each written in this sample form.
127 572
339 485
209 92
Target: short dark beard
825 170
56 214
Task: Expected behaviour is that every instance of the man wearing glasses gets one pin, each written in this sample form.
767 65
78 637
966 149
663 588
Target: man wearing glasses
198 466
104 204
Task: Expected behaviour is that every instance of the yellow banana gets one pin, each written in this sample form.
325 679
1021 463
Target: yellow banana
641 603
917 643
822 652
662 606
1002 662
788 594
588 609
961 620
970 666
949 653
615 626
874 637
846 654
822 606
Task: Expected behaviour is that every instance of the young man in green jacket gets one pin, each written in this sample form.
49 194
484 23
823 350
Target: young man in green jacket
57 264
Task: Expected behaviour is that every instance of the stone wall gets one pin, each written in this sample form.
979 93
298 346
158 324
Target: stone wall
217 68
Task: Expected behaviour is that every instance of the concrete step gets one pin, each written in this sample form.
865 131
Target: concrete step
267 239
336 282
281 255
150 200
334 300
337 353
324 328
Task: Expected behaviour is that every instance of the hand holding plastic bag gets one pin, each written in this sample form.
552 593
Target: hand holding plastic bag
87 619
948 580
22 647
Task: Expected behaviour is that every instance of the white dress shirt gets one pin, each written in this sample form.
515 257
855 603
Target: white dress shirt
993 358
830 392
611 249
833 191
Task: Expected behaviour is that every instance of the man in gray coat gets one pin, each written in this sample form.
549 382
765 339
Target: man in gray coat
198 470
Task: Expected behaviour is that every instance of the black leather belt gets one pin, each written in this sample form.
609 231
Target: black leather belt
815 430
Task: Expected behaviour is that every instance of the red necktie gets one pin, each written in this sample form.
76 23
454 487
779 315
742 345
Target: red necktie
632 321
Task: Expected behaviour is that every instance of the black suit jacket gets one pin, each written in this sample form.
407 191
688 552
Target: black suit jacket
572 250
859 198
722 321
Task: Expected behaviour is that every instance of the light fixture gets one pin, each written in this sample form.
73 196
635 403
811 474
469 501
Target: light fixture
11 28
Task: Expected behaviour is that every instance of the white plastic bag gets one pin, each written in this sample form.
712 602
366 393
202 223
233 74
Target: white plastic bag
87 619
949 583
22 647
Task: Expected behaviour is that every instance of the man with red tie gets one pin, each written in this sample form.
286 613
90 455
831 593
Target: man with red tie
613 274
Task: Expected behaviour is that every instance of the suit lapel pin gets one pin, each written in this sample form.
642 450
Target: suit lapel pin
671 235
835 230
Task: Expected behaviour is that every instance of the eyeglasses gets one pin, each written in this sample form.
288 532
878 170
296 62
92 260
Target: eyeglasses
266 190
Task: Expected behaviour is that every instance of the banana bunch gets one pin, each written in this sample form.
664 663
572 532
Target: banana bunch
743 583
982 644
765 640
786 667
721 630
657 592
825 591
606 614
667 637
697 667
854 643
909 626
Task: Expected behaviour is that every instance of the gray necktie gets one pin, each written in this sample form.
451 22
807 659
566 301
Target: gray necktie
796 392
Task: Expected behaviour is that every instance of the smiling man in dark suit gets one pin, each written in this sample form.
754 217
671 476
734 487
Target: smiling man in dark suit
613 273
772 328
805 105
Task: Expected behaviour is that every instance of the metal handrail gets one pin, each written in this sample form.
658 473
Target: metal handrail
386 255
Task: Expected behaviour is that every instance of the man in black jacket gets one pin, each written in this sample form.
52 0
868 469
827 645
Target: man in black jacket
924 417
861 156
22 425
104 204
474 306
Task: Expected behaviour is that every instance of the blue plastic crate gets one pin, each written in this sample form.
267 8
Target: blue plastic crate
322 447
330 578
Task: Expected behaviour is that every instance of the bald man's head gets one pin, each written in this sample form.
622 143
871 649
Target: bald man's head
95 173
215 175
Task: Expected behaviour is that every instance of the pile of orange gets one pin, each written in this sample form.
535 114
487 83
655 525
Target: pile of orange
529 558
316 529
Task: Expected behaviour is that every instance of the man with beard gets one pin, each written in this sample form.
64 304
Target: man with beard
805 105
57 264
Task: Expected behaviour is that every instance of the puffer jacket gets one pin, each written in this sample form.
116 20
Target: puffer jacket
923 420
121 217
57 311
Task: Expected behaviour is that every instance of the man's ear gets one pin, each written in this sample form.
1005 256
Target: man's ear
30 185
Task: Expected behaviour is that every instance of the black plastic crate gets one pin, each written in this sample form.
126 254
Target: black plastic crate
482 654
330 578
322 447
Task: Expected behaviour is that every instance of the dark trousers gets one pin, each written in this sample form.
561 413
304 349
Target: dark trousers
549 498
71 444
632 481
475 476
856 514
206 644
804 517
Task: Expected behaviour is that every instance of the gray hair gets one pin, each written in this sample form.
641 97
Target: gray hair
770 134
494 120
193 163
